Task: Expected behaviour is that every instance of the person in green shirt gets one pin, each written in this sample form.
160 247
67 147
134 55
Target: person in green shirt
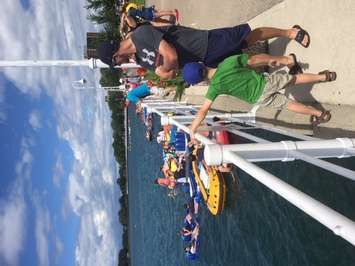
235 76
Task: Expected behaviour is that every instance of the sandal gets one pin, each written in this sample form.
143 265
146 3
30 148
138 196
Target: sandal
329 75
301 34
323 118
296 68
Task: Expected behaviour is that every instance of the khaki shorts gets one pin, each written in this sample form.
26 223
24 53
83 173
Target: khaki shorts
271 96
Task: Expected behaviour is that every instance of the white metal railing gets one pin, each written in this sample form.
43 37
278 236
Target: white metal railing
309 149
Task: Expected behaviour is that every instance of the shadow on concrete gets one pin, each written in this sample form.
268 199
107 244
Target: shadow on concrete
280 123
278 46
329 133
319 131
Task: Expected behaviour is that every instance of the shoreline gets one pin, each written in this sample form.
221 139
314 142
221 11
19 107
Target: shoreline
126 135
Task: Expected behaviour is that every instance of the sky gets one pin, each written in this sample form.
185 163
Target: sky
58 192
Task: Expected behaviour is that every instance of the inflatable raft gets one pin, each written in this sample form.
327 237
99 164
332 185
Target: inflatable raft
211 184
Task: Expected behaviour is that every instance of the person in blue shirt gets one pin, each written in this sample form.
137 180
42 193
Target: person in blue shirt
136 95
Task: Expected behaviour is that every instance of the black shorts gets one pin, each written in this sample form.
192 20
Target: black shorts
225 42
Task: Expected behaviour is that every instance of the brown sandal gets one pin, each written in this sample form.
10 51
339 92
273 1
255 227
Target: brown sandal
329 75
323 118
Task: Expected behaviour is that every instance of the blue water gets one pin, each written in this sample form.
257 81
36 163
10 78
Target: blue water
257 227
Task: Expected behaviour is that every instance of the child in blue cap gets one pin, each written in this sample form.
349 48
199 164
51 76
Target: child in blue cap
235 77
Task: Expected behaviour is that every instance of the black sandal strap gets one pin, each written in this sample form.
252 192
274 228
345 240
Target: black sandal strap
300 36
323 118
296 68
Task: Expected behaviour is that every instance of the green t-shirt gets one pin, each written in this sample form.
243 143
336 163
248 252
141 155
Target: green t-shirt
234 78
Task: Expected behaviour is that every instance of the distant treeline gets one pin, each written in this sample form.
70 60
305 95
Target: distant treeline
107 14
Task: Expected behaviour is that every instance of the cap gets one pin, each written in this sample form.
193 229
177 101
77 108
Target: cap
193 73
106 51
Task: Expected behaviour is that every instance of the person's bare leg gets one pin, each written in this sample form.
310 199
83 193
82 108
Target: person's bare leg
159 22
269 60
305 79
303 109
159 14
308 78
265 33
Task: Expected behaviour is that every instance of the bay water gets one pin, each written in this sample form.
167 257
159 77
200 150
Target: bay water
257 227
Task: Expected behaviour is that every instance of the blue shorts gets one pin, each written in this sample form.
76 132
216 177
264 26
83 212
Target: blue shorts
147 13
225 42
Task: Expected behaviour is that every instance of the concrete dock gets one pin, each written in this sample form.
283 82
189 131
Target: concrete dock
331 26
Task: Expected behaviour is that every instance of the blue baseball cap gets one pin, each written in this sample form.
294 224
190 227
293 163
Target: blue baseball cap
193 73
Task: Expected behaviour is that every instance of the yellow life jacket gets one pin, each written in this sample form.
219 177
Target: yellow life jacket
172 166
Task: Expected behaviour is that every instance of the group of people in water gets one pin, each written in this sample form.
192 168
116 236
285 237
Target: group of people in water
174 157
175 153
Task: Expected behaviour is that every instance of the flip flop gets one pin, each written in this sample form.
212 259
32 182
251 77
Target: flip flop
300 36
296 68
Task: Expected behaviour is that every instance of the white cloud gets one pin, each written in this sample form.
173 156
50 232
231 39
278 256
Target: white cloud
42 230
12 224
92 194
13 208
58 171
77 194
35 120
96 235
56 29
59 247
23 168
107 176
48 30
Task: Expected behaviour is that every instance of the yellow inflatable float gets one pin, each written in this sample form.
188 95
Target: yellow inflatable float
212 186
